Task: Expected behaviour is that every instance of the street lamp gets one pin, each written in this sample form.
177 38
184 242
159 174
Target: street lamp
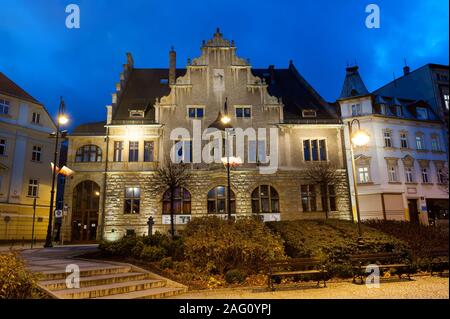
359 138
62 120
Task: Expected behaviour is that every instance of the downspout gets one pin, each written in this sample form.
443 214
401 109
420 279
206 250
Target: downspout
102 227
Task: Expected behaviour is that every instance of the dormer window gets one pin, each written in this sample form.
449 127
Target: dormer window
421 113
136 113
164 81
309 113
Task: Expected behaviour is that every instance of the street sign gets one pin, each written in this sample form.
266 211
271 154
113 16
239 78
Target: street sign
58 213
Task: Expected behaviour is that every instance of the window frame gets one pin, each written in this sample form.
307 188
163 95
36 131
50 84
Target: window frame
409 171
196 110
118 151
133 151
318 154
36 153
387 137
243 109
182 202
134 201
404 143
149 152
3 146
425 175
272 198
308 198
33 187
5 104
217 198
365 172
87 150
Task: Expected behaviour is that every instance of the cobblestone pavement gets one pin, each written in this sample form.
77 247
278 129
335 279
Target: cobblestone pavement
425 287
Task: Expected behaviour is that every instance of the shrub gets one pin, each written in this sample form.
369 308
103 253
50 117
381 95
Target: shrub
152 253
122 247
234 276
333 241
216 245
15 281
420 239
166 263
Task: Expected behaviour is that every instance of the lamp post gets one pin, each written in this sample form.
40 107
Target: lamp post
61 120
359 138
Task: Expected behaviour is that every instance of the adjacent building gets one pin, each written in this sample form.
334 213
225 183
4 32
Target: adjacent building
26 152
401 173
115 188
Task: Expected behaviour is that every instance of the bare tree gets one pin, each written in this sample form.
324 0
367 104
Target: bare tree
324 175
172 176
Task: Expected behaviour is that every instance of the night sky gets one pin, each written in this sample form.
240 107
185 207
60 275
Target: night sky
48 60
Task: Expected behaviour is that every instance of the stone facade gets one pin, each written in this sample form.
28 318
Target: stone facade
277 98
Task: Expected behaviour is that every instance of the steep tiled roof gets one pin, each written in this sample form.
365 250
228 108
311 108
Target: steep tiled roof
92 128
353 84
142 88
8 87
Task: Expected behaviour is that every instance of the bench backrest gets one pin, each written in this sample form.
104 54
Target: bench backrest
375 257
296 262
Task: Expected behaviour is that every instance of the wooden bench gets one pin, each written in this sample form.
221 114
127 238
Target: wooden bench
310 268
437 261
384 261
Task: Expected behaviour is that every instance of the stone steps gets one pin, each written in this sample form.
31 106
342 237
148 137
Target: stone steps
85 272
109 289
109 282
60 284
156 293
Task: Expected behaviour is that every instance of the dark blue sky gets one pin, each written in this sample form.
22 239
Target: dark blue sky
48 60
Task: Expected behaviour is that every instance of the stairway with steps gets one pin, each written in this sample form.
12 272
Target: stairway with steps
110 282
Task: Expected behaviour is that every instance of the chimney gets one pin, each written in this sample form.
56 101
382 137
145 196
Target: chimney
172 66
272 73
406 70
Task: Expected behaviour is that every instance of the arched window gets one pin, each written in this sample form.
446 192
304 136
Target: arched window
265 200
181 204
217 201
89 153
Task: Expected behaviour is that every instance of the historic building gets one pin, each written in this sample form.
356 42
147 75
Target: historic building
401 172
26 152
115 188
429 83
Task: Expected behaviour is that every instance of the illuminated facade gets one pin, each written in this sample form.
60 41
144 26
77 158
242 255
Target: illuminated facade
26 152
115 187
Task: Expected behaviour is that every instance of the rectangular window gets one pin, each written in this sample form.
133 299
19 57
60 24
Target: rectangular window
314 150
243 112
356 110
435 145
387 139
252 151
2 146
262 151
308 194
132 200
309 113
183 151
133 155
148 151
4 106
363 174
392 172
419 142
409 176
323 150
33 188
446 101
403 140
36 118
422 113
306 152
425 175
196 112
36 154
118 151
331 198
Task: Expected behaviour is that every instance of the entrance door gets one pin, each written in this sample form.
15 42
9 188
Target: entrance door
413 211
86 198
